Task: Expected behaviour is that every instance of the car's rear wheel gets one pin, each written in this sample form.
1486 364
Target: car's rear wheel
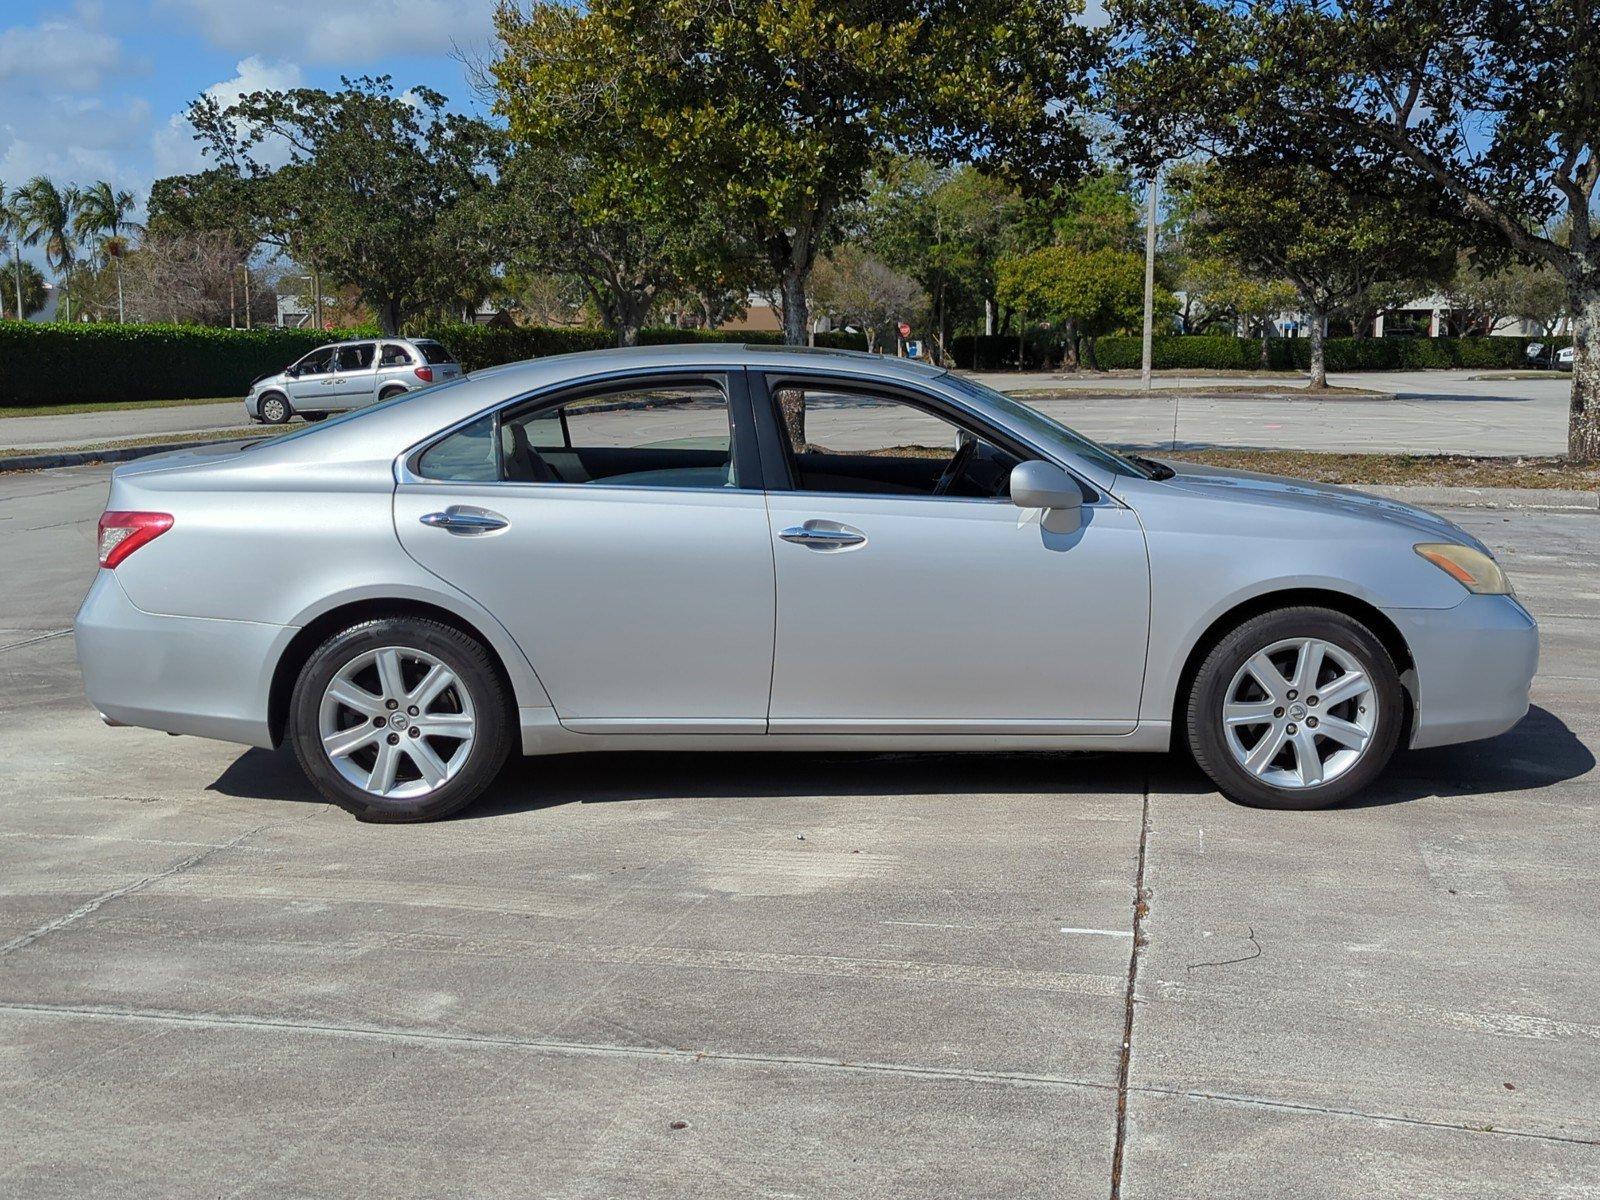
274 409
1296 709
389 393
400 719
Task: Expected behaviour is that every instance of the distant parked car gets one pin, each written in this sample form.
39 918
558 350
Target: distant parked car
349 375
1564 359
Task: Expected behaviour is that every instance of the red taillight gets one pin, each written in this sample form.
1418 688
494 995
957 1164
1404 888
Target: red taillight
121 533
425 374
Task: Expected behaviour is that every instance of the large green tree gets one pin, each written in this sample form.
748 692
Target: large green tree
1490 107
774 114
1274 222
1087 293
371 180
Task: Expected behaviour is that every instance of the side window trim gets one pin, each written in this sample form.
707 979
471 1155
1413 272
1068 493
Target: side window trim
779 467
732 381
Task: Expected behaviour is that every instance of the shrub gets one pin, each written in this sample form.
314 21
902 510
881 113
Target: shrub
81 363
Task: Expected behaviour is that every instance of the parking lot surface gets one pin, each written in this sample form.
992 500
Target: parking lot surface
793 975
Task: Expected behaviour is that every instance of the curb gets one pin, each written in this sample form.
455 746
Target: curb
111 454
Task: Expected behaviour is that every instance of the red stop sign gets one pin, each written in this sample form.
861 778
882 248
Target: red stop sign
905 329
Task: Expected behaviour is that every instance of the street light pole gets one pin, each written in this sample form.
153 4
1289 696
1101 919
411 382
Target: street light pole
1149 283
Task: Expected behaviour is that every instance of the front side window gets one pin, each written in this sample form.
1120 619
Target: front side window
669 435
861 442
318 362
355 358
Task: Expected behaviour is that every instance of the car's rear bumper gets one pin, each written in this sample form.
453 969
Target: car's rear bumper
192 675
1474 665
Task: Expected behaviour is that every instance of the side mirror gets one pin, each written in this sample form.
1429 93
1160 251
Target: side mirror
1044 485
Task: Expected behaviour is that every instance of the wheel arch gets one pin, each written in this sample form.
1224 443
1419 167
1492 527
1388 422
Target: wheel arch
317 630
1374 618
279 393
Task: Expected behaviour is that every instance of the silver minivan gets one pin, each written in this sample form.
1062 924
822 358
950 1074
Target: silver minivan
348 375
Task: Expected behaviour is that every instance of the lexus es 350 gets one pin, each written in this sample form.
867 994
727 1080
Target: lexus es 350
740 548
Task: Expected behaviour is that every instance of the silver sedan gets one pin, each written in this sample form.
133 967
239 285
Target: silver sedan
740 548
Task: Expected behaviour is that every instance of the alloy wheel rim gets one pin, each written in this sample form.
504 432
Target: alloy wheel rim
274 409
1299 713
396 722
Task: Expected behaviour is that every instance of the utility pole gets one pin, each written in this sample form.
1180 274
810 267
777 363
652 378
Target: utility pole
1149 283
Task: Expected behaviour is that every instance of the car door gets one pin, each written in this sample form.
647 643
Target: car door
619 532
309 385
395 366
353 382
912 600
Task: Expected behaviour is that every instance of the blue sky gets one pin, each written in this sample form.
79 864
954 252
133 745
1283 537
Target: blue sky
95 89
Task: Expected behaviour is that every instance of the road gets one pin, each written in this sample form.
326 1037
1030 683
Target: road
838 975
1433 412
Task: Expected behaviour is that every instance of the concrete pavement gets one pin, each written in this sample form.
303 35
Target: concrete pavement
672 975
1433 412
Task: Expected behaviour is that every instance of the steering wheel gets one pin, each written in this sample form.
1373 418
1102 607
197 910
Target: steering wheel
954 468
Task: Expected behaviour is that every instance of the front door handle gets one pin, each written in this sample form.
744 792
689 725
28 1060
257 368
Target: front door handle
819 536
466 520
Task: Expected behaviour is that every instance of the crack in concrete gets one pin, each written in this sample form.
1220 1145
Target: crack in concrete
96 902
34 641
553 1045
1141 907
1356 1114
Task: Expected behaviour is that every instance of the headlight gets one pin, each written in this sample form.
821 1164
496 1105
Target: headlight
1472 569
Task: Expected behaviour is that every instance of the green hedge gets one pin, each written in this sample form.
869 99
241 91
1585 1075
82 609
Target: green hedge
1192 352
78 363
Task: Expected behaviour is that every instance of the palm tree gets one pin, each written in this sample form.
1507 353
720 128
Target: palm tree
45 212
11 231
103 213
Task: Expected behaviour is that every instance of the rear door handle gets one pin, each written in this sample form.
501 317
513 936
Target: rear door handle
819 536
466 520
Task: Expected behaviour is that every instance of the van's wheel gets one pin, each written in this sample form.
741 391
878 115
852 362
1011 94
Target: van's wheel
274 409
389 393
313 418
1296 709
400 719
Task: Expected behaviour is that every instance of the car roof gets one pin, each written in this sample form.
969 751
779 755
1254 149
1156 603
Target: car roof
764 355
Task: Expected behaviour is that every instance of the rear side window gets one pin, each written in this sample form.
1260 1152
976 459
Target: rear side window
355 358
394 356
467 456
434 352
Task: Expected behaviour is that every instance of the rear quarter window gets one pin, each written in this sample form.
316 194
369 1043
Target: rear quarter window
469 455
434 352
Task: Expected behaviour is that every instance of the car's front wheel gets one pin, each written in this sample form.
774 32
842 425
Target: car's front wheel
274 409
1296 709
400 719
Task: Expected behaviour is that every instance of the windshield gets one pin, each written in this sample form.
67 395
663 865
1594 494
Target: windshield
1033 419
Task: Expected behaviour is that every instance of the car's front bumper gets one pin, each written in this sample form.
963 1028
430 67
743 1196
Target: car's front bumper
193 675
1474 665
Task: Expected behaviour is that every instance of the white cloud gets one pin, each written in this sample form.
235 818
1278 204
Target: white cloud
339 31
176 151
57 54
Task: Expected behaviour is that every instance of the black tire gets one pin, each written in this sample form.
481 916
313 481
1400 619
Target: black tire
389 393
473 667
313 418
273 409
1208 738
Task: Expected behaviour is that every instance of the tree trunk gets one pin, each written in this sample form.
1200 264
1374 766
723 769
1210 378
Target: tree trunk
116 265
988 316
795 317
1266 332
792 408
388 317
1069 359
316 296
1319 366
1583 422
872 340
249 320
16 249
